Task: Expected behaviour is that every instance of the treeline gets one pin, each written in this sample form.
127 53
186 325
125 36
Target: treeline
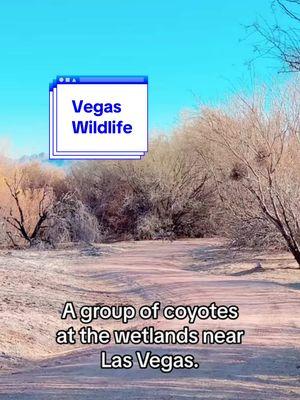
232 171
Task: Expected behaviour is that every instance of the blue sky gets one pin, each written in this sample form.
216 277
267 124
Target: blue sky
191 50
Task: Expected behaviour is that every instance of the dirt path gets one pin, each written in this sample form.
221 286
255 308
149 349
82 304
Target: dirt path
265 366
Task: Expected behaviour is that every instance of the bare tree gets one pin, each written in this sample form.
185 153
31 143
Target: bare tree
28 210
281 38
257 161
28 195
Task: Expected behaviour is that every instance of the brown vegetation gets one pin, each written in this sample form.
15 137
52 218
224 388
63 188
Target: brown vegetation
259 173
232 171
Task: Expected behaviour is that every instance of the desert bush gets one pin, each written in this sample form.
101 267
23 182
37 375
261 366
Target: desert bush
39 208
101 188
170 191
70 221
232 170
166 195
255 157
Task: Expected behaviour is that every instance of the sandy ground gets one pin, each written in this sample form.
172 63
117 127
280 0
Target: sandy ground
35 286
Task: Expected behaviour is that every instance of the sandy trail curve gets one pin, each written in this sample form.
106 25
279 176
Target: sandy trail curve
265 366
